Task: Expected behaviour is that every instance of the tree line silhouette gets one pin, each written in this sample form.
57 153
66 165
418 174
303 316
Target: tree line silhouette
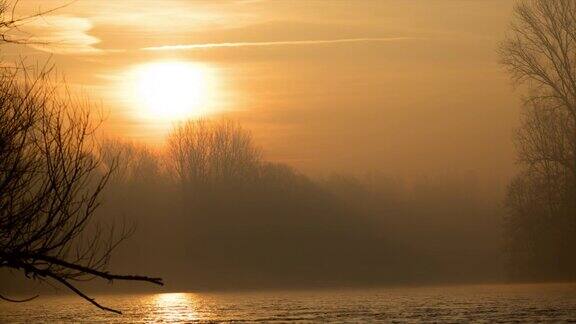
212 213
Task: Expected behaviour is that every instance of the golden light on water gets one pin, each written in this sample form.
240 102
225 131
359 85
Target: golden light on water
175 307
171 91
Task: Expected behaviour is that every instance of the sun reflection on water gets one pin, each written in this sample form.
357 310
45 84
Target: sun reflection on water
175 307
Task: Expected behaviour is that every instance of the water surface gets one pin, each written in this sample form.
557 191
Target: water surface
487 303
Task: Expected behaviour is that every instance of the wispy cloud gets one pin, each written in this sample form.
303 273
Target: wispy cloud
272 43
62 35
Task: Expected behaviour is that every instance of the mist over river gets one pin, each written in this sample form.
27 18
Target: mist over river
485 303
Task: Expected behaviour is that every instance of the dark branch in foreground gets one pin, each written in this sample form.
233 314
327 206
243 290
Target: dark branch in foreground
34 272
81 294
101 274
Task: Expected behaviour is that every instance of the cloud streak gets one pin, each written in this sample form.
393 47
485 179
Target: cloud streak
181 47
62 34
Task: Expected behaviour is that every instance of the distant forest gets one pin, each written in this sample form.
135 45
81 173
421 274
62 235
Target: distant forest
212 213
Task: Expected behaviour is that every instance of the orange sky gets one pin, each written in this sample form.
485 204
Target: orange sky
410 88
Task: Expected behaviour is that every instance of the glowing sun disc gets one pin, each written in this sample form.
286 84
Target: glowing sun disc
172 90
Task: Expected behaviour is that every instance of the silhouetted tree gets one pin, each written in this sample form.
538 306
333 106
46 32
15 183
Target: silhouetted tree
135 163
51 177
204 154
540 52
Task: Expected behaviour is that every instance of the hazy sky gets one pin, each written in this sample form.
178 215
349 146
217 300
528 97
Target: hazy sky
410 88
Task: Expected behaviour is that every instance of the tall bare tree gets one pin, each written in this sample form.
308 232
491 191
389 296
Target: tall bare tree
51 177
540 54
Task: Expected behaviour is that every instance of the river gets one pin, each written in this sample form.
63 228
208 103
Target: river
480 303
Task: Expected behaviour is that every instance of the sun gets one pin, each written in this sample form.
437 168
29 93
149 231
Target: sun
173 91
